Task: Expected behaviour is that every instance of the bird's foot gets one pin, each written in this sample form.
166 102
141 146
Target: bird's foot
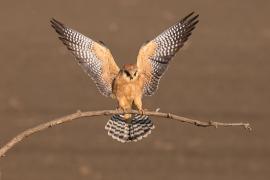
123 112
142 111
127 116
120 110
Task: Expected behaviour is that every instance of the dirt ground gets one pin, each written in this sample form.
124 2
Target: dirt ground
221 74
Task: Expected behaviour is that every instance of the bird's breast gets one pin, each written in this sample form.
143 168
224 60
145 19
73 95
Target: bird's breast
126 89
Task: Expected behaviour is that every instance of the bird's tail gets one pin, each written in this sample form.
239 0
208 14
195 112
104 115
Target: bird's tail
134 129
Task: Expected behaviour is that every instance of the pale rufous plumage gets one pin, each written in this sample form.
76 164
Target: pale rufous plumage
128 84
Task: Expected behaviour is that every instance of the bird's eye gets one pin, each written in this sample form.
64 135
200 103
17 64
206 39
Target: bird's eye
127 73
135 74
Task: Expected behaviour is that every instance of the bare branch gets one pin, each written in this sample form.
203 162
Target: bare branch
80 114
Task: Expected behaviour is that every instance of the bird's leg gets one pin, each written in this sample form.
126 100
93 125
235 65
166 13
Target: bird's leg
119 109
121 106
138 104
124 107
141 111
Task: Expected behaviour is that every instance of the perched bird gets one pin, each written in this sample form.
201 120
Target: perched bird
128 84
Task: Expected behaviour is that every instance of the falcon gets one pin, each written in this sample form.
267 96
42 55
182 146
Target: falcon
131 82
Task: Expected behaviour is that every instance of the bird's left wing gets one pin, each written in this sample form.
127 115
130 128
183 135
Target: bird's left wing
94 58
154 57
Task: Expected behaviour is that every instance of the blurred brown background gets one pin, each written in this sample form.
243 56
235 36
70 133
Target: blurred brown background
221 74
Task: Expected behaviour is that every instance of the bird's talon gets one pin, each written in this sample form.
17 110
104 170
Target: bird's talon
142 111
120 110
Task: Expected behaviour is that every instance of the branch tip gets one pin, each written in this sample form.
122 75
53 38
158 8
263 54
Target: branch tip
248 127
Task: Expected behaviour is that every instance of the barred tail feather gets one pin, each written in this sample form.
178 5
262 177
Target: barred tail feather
138 127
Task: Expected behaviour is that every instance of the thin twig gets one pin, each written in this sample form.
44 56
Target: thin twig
80 114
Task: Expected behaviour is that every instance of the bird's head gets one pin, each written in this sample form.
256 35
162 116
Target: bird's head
130 72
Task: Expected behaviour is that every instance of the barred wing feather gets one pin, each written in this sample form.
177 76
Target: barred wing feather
154 57
94 58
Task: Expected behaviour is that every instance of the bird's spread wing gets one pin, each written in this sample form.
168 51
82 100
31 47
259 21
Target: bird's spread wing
154 57
94 58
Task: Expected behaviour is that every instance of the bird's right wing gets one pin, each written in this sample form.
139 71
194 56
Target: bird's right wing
154 57
94 58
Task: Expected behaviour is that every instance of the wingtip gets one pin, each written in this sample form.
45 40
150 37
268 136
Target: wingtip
191 19
57 26
52 20
55 22
192 14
